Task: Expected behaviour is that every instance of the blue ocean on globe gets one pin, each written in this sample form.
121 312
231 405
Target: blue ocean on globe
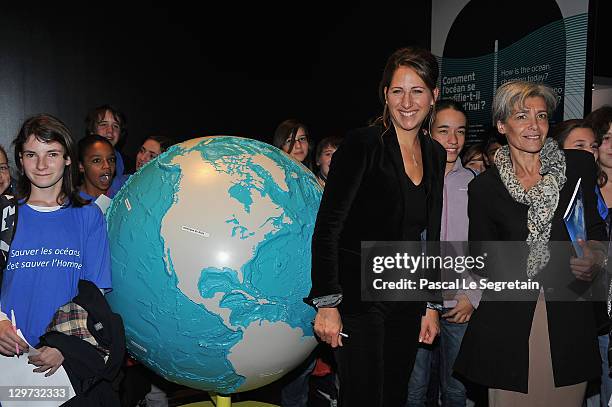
210 248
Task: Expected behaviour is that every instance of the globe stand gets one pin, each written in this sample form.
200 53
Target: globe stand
222 400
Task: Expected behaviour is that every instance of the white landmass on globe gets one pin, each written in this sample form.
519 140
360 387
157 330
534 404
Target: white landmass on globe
225 313
213 303
276 172
280 348
203 190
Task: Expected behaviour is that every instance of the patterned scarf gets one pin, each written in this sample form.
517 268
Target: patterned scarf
542 199
71 319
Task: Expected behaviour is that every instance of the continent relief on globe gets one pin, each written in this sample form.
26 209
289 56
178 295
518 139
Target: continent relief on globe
210 247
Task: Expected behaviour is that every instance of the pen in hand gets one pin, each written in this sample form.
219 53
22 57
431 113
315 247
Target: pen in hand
342 334
15 330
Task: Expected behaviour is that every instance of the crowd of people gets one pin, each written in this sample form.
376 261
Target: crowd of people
410 176
56 189
390 182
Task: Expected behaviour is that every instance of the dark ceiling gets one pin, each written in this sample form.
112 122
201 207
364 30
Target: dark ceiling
191 69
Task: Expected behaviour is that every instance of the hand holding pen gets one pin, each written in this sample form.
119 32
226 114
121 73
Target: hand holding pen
10 343
328 326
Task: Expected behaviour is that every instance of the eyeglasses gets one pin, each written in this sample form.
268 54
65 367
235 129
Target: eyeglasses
301 140
4 168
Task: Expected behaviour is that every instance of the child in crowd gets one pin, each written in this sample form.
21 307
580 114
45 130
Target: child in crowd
151 147
600 121
111 124
449 128
5 172
8 210
58 240
325 149
97 163
473 158
292 137
139 382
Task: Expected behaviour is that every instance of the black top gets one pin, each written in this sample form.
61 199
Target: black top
416 210
369 197
495 348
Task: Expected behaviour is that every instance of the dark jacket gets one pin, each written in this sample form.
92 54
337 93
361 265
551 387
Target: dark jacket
365 199
495 348
8 225
94 381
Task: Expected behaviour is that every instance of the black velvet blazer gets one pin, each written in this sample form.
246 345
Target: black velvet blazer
365 199
495 348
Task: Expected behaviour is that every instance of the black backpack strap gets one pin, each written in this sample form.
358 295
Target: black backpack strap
8 225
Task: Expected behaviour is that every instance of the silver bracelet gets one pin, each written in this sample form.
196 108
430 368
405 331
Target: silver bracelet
434 306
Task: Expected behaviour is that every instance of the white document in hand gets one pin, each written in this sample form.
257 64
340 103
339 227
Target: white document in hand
17 374
32 351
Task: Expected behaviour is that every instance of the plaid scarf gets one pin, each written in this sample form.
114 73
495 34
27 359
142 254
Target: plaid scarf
71 319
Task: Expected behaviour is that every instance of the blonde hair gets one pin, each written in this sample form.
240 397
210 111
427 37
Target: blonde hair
513 93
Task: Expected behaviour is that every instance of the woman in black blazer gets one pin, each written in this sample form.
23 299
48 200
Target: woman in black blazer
384 184
539 347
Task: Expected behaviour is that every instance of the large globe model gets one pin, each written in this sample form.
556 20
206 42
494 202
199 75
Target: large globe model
210 247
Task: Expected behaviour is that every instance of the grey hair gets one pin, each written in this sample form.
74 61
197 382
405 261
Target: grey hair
513 93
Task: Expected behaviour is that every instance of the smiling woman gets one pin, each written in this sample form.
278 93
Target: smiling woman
549 341
384 184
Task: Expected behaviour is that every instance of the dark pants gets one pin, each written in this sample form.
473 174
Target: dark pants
375 361
443 354
295 392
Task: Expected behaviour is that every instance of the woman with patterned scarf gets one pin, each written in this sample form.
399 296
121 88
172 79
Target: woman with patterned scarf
535 346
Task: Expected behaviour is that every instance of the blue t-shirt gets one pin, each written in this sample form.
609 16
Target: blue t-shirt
85 195
103 205
119 178
49 254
